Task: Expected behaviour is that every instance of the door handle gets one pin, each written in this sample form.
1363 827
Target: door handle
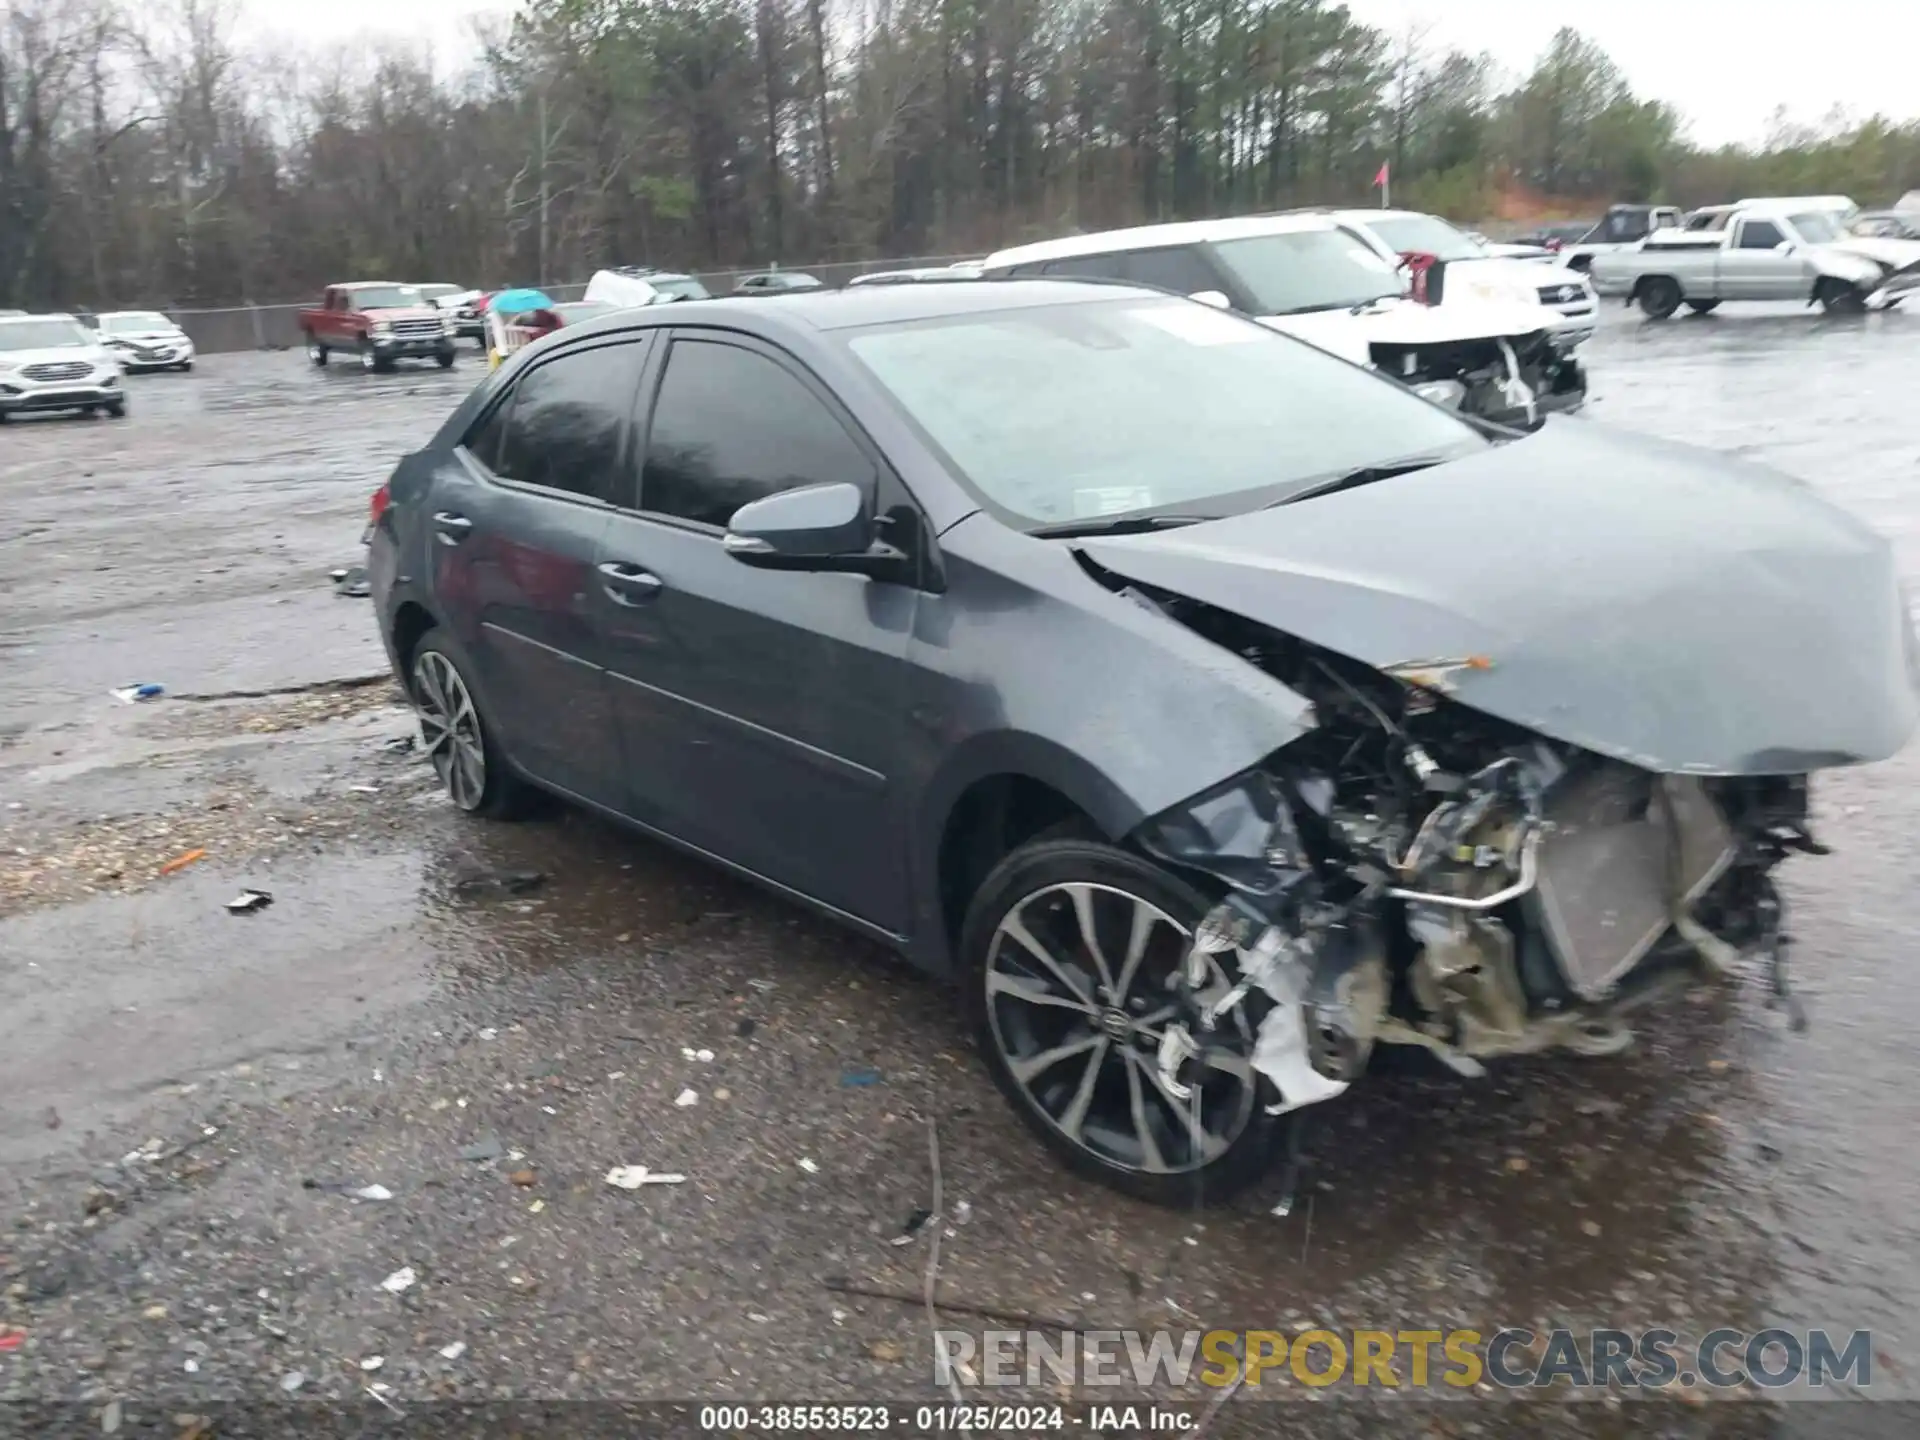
628 584
451 528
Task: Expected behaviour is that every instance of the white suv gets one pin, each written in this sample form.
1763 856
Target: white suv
53 362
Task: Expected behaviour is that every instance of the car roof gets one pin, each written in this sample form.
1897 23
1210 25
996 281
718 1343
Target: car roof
24 316
864 305
1145 237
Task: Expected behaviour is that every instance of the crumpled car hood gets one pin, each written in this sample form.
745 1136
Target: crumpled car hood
1670 607
1398 321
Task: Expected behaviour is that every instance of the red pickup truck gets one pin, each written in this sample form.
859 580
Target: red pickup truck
379 322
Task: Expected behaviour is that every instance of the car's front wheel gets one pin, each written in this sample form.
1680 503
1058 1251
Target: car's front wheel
464 752
1072 955
316 352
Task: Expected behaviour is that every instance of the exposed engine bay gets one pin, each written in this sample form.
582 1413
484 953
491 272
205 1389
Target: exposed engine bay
1416 872
1515 381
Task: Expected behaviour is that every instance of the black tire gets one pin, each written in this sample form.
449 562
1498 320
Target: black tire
1659 296
1041 883
185 366
1837 297
116 408
1703 307
371 361
500 794
316 352
445 359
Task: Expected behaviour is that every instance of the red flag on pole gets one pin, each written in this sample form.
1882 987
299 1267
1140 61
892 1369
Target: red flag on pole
1381 178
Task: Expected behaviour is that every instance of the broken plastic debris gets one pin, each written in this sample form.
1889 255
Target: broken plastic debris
484 1149
536 1207
704 1057
808 1166
686 1098
400 744
293 1380
401 1279
487 1033
373 1192
351 582
180 862
373 1362
453 1351
11 1339
860 1078
915 1222
248 901
364 789
134 694
962 1211
110 1417
632 1177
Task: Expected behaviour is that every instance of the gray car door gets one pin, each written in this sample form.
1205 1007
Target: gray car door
517 517
1755 267
761 711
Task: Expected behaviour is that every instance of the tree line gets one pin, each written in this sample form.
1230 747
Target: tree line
147 158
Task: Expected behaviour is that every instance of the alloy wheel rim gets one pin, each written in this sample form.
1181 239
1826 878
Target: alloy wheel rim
450 729
1081 982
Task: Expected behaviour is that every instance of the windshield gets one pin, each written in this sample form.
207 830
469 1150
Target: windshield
135 322
1307 270
1816 227
1427 235
385 297
1067 412
436 292
684 288
42 335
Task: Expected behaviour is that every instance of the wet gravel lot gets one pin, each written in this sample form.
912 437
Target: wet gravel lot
193 1099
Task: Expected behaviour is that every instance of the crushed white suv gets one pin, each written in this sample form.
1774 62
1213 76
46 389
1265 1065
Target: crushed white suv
145 340
1467 269
1306 276
53 362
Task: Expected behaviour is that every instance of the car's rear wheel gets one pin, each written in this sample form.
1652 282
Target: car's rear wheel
116 408
1072 955
1659 297
316 352
464 752
445 357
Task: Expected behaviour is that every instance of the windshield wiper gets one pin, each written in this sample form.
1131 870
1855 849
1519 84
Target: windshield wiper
1116 525
1365 475
1366 305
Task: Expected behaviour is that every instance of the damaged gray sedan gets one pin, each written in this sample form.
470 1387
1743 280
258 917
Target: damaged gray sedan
1214 711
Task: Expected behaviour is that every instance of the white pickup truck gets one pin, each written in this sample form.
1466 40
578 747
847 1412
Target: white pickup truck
1759 252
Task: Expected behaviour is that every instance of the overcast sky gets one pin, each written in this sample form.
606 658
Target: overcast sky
1724 63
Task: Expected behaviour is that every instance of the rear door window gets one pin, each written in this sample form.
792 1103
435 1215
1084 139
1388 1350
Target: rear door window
1088 267
564 427
731 425
1758 235
1179 269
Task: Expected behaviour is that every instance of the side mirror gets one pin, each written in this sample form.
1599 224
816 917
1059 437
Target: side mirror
1216 298
804 529
1785 247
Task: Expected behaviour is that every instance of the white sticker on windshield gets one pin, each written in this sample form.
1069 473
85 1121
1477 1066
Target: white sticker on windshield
1199 324
1111 500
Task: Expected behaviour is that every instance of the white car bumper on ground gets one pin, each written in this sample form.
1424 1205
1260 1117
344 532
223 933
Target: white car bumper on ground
153 352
